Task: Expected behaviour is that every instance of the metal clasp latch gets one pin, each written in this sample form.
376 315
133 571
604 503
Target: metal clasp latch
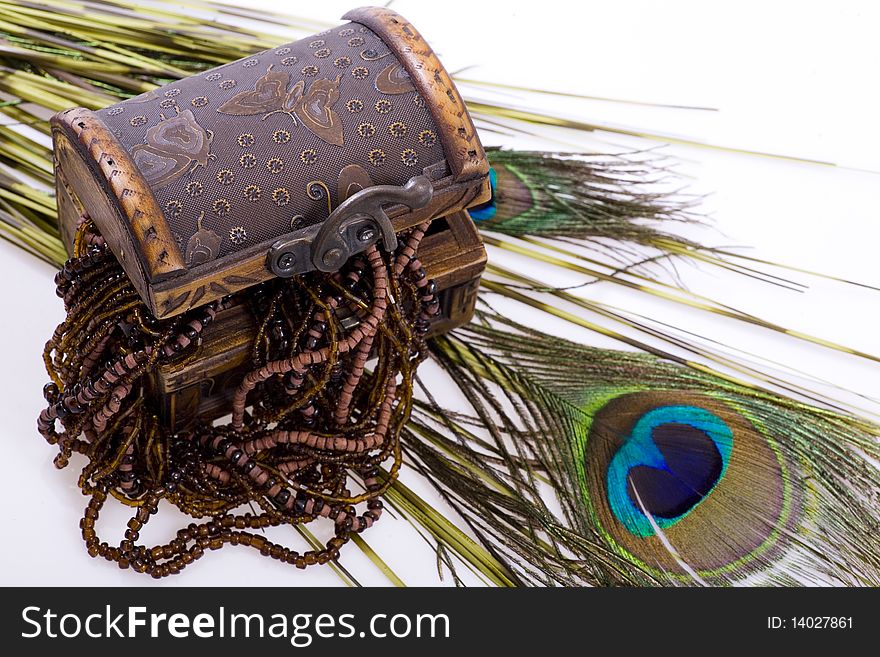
358 222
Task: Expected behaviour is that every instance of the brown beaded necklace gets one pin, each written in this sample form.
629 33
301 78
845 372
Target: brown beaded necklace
307 421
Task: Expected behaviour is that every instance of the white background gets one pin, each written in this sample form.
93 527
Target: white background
793 78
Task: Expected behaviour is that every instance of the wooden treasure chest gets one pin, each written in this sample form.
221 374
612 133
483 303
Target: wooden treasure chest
289 161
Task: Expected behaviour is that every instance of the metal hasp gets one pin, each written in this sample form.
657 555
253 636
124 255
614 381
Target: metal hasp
358 222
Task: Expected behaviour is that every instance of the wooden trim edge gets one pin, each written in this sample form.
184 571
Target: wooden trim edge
160 257
462 146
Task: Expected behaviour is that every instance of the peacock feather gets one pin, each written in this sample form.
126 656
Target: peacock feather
577 195
663 475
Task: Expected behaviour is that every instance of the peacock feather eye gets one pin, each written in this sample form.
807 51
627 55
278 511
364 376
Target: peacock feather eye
486 210
668 464
678 481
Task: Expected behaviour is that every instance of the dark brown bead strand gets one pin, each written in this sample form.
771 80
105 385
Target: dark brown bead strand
306 417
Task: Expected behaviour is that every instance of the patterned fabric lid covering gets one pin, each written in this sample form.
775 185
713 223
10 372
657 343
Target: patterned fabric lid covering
252 150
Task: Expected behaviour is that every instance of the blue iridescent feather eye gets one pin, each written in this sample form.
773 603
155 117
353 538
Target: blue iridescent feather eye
487 210
674 478
670 462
